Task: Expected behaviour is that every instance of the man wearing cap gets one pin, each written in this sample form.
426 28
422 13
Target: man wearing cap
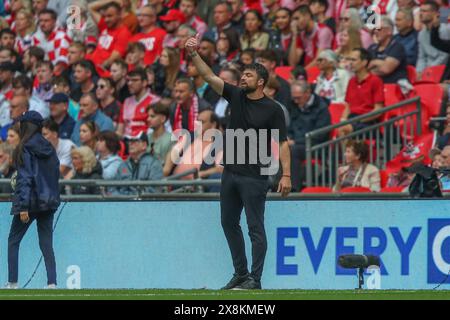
59 106
140 164
172 21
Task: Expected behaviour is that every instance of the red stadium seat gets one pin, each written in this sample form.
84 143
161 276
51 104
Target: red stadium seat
412 73
430 97
283 72
355 190
313 73
384 176
392 189
433 74
316 190
336 110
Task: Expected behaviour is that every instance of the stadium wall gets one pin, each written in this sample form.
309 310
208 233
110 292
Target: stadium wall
180 244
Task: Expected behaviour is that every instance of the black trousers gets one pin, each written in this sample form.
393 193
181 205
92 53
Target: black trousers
45 232
298 155
238 192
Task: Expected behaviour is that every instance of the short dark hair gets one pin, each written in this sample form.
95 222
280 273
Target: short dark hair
51 12
360 148
111 139
260 70
51 125
23 81
187 81
213 117
136 46
323 3
112 4
268 54
304 10
61 81
87 65
363 54
221 3
121 63
160 108
7 31
138 72
432 4
47 63
289 11
235 74
37 52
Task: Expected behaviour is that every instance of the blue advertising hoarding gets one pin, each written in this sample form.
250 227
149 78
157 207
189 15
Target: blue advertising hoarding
180 244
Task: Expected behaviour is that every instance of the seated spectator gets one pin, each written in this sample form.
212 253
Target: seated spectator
6 166
308 112
444 139
139 166
298 74
347 40
388 56
32 58
7 38
13 138
445 179
310 37
358 172
365 93
171 22
17 106
281 34
113 35
167 70
119 70
271 89
106 95
201 86
429 55
333 81
184 32
187 105
108 146
179 161
84 75
268 59
59 105
272 7
135 55
25 29
189 9
7 70
319 10
351 18
89 134
22 85
247 56
223 13
62 85
237 14
133 115
85 167
150 34
253 36
207 48
437 161
407 35
159 139
89 108
77 53
63 147
44 89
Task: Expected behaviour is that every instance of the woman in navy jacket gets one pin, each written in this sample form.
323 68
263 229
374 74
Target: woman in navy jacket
36 195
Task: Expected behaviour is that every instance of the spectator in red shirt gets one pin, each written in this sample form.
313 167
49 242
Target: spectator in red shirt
365 92
150 34
134 114
113 39
189 9
311 37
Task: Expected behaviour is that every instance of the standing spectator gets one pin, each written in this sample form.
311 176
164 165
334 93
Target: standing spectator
106 92
365 93
253 36
159 139
333 81
119 70
63 147
54 41
24 28
84 75
113 38
172 21
133 114
167 70
388 56
150 34
311 37
189 9
268 59
108 146
281 34
89 108
85 167
59 105
358 172
88 134
44 90
319 9
348 40
140 165
429 55
22 86
407 35
308 112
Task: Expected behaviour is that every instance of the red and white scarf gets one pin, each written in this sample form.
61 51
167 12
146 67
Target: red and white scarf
193 113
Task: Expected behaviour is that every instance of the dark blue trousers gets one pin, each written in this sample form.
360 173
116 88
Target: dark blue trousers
44 222
241 192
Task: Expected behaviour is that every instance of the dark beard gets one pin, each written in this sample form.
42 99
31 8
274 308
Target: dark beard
249 90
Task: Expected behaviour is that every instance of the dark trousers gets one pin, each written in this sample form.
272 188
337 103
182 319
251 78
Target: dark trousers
238 192
298 156
44 222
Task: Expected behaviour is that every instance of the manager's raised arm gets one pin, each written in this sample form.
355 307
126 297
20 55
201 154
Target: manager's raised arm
203 69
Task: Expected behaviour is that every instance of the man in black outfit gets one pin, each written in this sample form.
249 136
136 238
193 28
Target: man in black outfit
246 185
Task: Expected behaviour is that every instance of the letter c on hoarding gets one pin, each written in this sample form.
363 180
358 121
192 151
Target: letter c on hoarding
441 236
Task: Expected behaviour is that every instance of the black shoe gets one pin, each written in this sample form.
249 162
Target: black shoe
249 284
235 281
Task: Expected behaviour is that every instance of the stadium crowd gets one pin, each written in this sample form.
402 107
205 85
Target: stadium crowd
112 79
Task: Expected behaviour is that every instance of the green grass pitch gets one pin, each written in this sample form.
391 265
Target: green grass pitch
172 294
